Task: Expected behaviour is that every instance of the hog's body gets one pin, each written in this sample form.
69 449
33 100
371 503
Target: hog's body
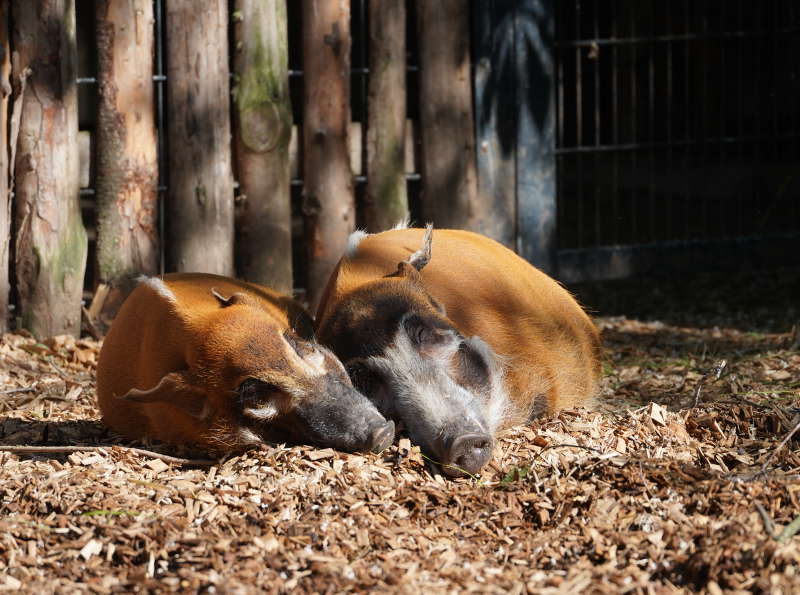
512 338
223 364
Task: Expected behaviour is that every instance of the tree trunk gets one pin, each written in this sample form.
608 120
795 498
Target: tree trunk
386 202
127 166
328 203
51 240
200 197
263 129
5 173
449 185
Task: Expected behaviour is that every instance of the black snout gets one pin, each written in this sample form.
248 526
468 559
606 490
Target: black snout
467 454
381 437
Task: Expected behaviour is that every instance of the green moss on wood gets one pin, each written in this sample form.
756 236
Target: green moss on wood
261 96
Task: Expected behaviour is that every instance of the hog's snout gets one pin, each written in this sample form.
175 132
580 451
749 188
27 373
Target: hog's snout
381 437
467 454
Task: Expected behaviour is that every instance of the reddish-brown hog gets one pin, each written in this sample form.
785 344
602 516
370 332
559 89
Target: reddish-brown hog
456 338
223 364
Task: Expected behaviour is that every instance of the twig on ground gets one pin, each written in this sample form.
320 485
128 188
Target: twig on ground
768 526
56 367
22 389
716 371
789 531
763 471
138 451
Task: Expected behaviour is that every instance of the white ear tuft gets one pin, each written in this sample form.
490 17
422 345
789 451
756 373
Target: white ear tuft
422 256
404 223
353 241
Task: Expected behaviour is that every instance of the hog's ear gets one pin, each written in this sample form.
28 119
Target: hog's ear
417 261
421 257
235 298
176 389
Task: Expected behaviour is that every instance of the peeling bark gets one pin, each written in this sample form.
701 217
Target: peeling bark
263 129
199 211
5 173
127 166
328 203
387 200
51 240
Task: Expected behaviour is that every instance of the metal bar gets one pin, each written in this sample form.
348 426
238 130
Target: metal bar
722 211
687 133
670 196
704 153
673 143
669 38
740 123
91 80
634 219
795 97
161 132
597 210
651 87
759 108
579 125
615 131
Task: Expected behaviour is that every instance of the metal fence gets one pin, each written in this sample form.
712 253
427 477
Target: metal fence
677 135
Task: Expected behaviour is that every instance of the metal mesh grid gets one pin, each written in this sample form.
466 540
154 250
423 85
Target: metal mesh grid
676 121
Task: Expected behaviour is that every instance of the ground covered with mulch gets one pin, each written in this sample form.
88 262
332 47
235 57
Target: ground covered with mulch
683 478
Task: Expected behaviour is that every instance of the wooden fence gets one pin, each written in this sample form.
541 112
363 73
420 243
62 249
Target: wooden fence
196 142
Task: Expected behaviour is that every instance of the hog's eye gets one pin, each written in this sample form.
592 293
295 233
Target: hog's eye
422 333
363 379
252 392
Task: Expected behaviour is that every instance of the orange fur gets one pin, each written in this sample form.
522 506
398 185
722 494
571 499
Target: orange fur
549 345
155 335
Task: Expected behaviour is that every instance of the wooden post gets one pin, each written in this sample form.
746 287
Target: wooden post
449 185
386 202
496 117
263 129
5 170
200 196
328 203
51 240
536 166
127 166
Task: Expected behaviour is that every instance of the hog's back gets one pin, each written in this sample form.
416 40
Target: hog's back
549 345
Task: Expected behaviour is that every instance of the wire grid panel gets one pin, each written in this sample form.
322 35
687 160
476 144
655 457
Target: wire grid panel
676 121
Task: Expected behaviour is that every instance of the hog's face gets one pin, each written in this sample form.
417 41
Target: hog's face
251 380
403 353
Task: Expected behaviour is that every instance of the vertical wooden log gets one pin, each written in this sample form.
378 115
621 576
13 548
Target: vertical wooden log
496 117
328 203
199 209
127 166
449 185
51 240
5 173
536 139
386 202
263 129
